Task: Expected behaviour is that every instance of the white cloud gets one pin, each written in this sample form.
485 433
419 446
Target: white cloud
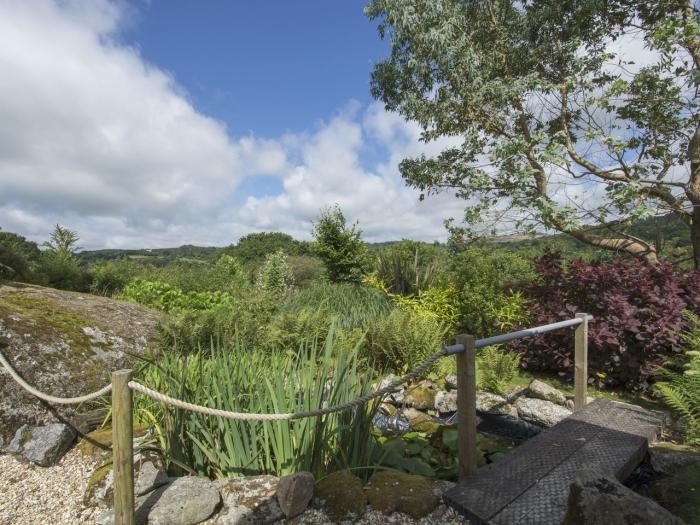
97 139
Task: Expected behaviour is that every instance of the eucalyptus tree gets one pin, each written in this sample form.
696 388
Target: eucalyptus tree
575 115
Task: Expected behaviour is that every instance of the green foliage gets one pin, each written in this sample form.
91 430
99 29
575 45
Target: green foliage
256 246
306 269
19 257
62 243
351 305
111 277
408 267
167 298
484 281
247 380
479 85
680 387
404 339
341 249
496 369
275 275
12 265
61 270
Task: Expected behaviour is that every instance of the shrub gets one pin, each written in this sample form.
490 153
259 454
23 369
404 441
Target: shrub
168 298
638 316
340 247
486 284
496 369
404 339
680 387
275 275
61 271
249 380
111 277
408 267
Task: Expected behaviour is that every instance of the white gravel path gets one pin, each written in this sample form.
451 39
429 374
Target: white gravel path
31 495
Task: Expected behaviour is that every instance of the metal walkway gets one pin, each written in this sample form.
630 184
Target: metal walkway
531 484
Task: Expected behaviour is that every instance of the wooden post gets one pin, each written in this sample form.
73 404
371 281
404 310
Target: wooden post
123 448
581 362
466 405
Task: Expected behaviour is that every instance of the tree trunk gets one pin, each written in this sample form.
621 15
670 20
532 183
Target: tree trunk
692 190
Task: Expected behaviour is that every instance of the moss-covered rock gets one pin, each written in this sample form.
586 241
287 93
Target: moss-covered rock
341 495
391 491
65 344
679 492
422 396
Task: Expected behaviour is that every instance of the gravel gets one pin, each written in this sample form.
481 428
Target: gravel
32 495
39 495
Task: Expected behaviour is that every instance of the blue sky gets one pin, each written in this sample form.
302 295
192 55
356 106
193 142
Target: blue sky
159 123
264 67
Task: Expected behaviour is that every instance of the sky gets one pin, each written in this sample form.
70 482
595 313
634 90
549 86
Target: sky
167 122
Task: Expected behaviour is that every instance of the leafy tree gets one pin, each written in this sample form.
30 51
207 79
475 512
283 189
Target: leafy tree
63 242
255 246
18 256
551 124
341 249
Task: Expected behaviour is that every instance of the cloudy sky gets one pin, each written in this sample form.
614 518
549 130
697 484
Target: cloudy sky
158 123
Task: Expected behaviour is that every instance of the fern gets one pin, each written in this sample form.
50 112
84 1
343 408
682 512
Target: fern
496 369
681 386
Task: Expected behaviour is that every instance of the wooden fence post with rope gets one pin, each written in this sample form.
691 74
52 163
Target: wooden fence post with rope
466 405
123 448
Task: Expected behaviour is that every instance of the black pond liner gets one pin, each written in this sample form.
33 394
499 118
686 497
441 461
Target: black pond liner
503 427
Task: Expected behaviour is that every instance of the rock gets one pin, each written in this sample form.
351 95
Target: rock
451 381
64 344
679 490
249 500
149 478
421 396
541 390
539 411
492 404
440 486
390 491
186 501
600 500
100 487
667 459
569 404
420 421
396 397
387 409
294 493
446 401
43 445
340 494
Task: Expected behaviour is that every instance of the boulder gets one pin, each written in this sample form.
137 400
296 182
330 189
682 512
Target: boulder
396 397
451 381
249 500
341 496
679 489
601 500
391 491
539 411
64 344
294 492
493 404
185 501
149 478
541 390
446 401
666 459
43 445
421 396
420 421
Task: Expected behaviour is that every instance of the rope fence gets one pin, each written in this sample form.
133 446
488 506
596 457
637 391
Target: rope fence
122 387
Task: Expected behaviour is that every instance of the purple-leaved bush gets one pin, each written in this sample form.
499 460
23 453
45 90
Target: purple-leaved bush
638 316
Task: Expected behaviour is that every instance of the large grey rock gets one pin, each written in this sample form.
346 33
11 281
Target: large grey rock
294 492
446 401
186 501
667 461
397 396
493 404
541 390
149 478
43 445
540 411
600 500
248 501
64 344
451 381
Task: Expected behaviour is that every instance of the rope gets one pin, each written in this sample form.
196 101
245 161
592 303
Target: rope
51 399
419 370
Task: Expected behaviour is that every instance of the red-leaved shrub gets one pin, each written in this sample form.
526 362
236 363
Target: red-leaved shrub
637 308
